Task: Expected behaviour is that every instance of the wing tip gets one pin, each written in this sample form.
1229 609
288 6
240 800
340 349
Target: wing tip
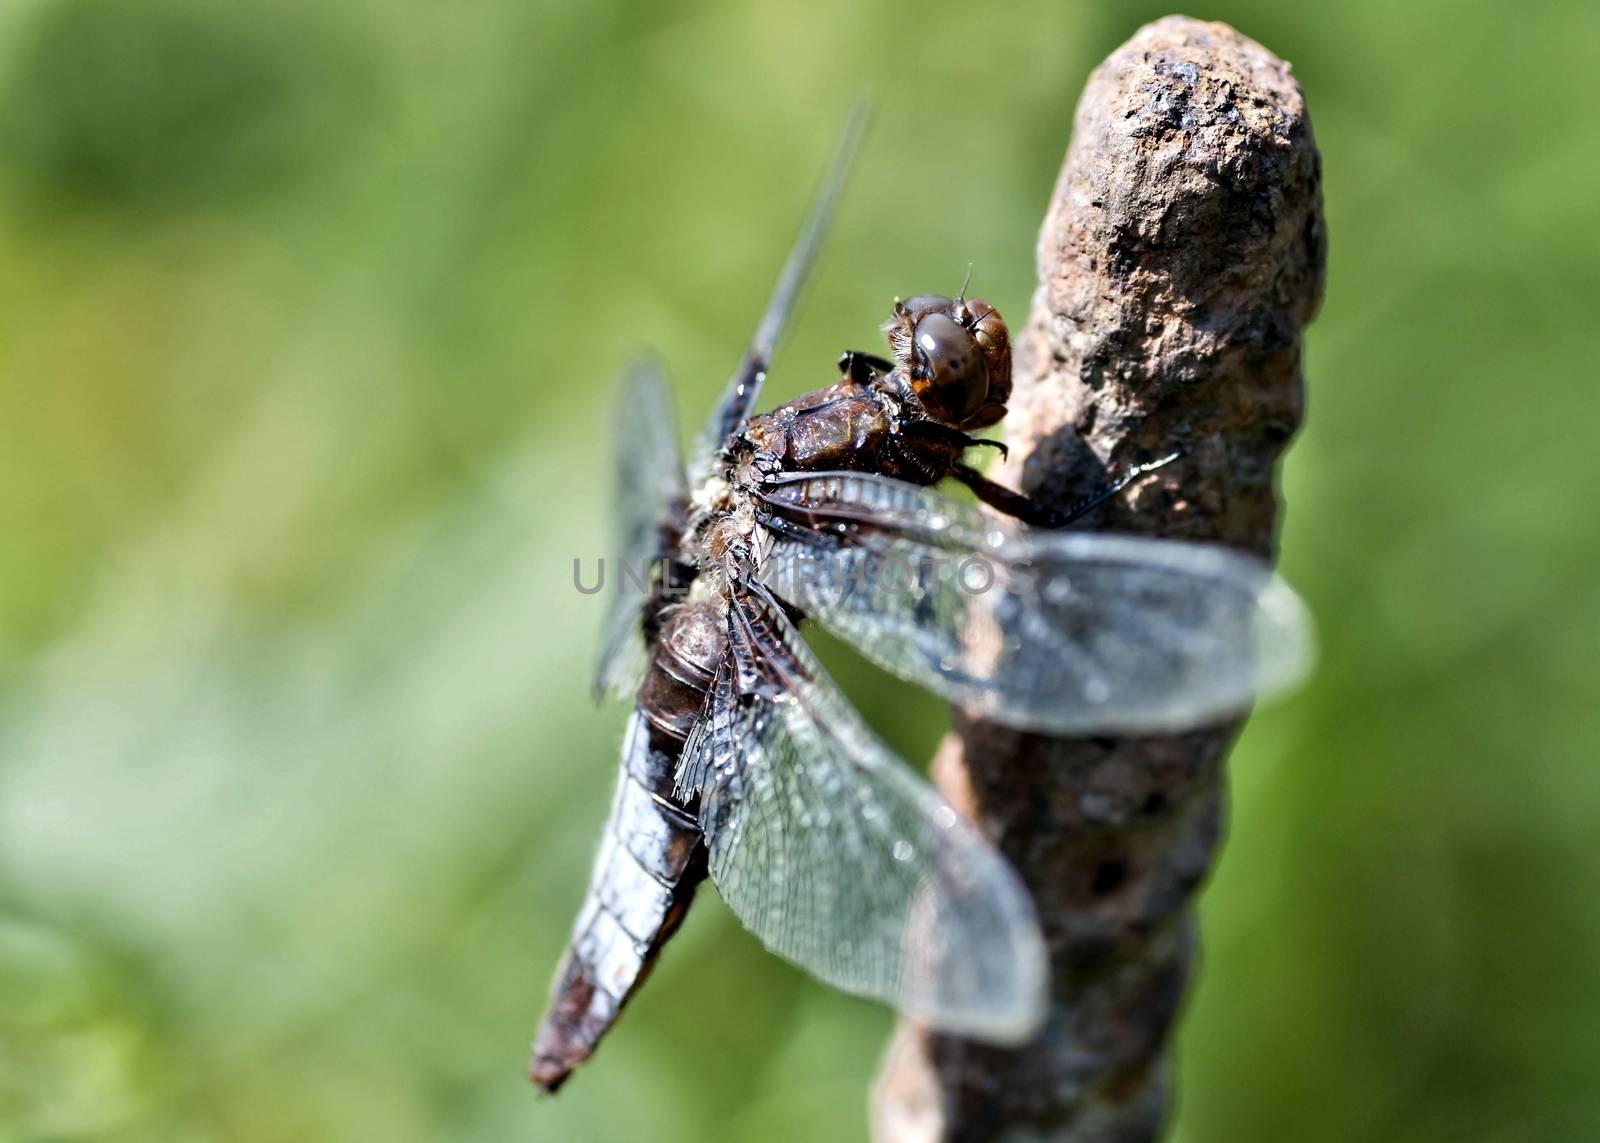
1018 1017
1285 639
1015 1014
1022 1020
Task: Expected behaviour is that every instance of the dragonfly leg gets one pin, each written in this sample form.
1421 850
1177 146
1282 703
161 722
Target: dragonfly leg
953 439
1041 515
863 368
1000 446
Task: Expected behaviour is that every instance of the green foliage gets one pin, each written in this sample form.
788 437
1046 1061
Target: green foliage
312 313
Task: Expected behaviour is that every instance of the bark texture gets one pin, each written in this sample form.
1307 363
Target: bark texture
1181 258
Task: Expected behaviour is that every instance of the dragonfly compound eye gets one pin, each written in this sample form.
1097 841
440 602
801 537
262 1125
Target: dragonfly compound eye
989 331
955 354
950 375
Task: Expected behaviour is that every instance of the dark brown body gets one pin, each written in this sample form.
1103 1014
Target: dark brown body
651 857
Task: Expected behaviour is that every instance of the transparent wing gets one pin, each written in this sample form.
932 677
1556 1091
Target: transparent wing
1059 632
647 499
744 387
842 860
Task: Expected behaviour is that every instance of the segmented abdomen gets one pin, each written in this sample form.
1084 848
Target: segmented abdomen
650 860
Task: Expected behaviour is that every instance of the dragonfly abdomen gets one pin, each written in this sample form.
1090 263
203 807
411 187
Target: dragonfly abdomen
682 662
651 858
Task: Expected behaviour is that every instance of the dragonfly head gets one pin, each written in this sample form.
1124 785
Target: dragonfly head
954 355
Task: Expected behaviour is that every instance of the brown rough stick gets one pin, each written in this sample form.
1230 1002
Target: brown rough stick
1181 258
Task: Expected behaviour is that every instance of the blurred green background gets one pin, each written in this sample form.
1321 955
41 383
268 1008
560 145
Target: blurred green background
310 316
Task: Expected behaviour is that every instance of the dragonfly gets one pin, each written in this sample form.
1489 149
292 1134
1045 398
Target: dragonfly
744 764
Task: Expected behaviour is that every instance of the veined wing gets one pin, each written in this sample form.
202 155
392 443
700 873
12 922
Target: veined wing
744 387
647 495
841 859
1061 632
